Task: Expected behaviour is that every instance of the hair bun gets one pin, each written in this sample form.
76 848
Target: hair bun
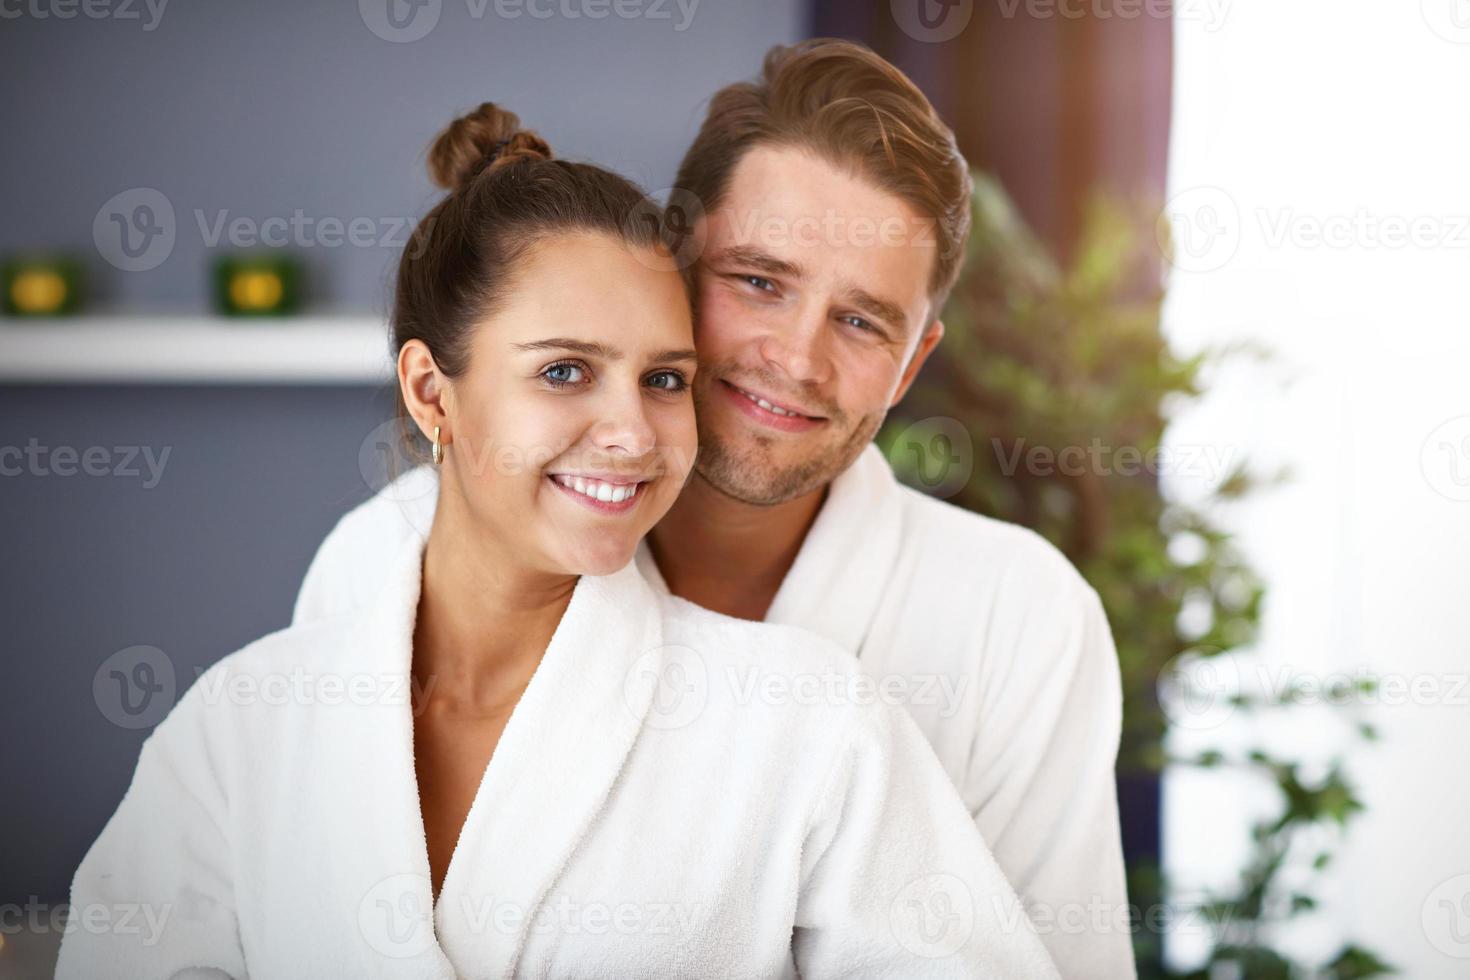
485 139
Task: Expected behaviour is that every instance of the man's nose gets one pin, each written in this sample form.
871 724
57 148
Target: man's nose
798 348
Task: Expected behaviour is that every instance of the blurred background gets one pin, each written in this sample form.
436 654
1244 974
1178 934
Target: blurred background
1211 340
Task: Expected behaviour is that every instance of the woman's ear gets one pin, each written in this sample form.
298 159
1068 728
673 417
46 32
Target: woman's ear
425 392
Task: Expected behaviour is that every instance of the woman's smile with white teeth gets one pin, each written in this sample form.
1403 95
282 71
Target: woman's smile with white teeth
608 493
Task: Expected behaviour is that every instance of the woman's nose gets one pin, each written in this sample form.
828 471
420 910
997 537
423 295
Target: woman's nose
624 425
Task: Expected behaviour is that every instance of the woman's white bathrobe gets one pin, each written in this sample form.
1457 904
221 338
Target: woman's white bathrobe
998 649
677 794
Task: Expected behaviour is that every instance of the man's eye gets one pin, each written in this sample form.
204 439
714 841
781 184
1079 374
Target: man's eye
564 374
760 282
859 322
668 380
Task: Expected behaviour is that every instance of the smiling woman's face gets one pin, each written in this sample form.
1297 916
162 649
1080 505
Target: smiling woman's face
572 430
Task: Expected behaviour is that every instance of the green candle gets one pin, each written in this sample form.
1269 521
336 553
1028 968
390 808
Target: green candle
41 285
257 285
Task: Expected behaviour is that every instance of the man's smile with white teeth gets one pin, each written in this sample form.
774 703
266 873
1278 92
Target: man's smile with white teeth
608 493
774 409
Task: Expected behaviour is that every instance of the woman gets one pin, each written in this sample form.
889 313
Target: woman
521 761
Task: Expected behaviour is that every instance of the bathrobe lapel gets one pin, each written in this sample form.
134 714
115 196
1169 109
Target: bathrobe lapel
551 772
846 561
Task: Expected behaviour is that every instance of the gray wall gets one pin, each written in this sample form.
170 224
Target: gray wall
259 109
195 563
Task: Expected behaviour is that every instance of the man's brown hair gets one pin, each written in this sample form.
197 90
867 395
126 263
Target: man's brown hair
850 107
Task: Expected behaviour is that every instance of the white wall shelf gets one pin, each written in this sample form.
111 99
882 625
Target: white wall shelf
173 349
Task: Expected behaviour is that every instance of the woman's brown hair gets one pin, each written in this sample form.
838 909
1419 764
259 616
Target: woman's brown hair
506 193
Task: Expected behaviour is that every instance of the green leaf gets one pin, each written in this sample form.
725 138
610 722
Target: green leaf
1356 963
1042 353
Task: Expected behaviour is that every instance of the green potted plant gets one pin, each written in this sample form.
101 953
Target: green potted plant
1059 383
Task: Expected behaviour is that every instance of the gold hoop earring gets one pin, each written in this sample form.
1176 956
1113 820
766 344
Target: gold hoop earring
438 448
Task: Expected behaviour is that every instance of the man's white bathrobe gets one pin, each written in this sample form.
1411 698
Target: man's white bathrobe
986 634
677 794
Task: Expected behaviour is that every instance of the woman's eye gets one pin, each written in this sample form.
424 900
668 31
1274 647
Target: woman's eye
564 374
668 381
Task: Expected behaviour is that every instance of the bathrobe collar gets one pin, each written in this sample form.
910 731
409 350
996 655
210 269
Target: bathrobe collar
846 561
551 772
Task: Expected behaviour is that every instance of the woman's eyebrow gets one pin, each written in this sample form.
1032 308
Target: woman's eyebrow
674 356
589 347
592 348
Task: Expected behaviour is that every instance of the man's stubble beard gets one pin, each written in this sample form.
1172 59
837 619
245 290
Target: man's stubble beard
748 473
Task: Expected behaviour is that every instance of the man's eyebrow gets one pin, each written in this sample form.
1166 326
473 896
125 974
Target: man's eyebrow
875 306
762 261
588 347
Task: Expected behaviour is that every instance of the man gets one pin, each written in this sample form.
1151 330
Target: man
829 208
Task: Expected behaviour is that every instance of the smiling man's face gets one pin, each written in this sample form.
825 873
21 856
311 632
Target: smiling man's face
813 315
